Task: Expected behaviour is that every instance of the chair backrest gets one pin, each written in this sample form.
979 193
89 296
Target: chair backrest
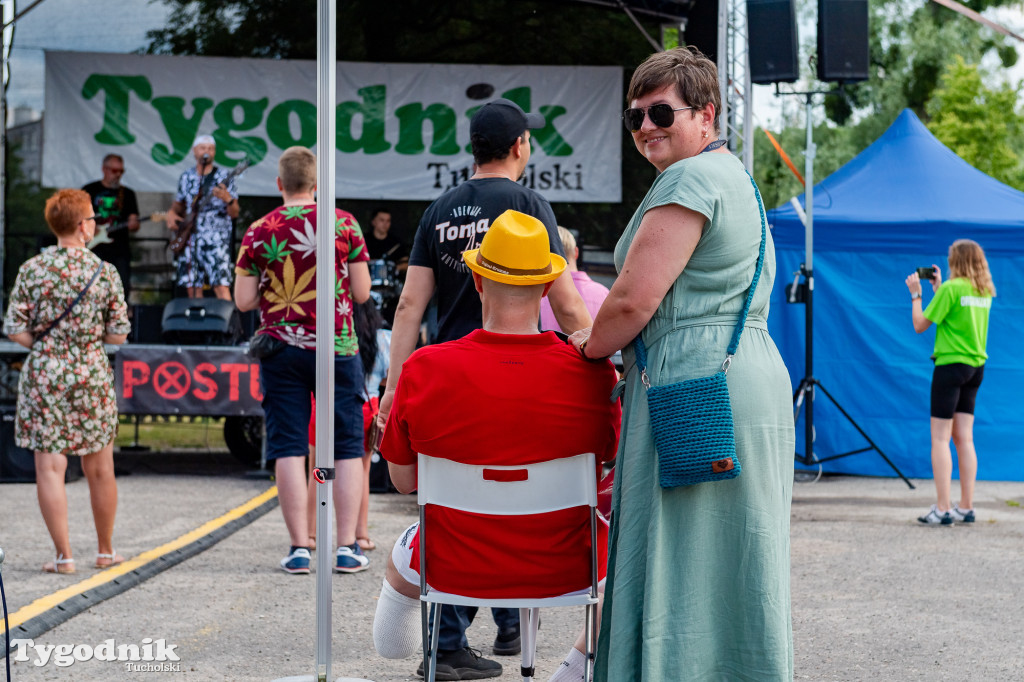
508 490
501 532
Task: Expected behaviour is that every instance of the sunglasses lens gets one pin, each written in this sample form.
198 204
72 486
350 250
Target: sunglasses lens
661 115
633 119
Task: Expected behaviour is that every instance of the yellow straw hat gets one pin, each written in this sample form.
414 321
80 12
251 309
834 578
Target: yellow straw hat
515 250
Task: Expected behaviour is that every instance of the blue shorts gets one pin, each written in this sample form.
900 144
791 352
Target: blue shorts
289 380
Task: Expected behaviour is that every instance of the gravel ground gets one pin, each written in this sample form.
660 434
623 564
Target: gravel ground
875 595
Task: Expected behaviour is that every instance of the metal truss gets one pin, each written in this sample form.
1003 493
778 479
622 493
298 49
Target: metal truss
734 74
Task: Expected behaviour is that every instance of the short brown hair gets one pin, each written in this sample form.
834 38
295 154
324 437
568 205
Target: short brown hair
66 209
694 75
297 170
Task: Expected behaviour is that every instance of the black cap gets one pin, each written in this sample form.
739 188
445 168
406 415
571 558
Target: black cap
501 121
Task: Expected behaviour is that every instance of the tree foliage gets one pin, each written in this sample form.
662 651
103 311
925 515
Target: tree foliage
24 225
912 43
909 47
980 124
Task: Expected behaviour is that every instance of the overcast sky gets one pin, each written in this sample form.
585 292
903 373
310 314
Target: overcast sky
81 25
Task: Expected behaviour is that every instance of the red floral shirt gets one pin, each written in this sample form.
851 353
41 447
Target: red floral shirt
280 249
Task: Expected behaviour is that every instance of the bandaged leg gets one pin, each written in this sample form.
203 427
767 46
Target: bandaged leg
396 624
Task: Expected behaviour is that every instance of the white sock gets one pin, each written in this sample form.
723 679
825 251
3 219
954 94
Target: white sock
571 669
396 624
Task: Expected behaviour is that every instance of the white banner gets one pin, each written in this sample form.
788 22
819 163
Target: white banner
403 129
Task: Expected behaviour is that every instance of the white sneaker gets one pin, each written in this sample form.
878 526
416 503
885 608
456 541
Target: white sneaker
936 518
962 515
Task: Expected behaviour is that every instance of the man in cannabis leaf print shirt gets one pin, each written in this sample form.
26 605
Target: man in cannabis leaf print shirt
276 272
280 249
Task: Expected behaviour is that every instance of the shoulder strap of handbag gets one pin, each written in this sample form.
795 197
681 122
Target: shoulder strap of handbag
67 310
638 343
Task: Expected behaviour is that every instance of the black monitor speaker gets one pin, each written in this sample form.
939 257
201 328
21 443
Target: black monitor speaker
201 322
842 40
771 36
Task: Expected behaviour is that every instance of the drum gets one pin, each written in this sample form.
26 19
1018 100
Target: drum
379 273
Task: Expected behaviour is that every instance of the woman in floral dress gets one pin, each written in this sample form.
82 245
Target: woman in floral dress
66 402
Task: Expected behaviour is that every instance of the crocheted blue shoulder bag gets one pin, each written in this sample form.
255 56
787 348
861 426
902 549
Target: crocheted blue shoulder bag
692 419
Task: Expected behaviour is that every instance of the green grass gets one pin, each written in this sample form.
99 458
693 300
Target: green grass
200 433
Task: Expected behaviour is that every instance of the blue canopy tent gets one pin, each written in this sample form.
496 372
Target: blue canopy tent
896 206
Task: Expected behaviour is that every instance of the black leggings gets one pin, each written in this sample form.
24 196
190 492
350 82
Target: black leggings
954 388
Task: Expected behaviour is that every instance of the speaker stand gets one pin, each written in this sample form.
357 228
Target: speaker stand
804 395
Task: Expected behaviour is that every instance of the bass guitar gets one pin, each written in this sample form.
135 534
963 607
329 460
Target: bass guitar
102 235
202 201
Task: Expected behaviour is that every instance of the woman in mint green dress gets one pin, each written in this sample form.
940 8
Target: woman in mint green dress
698 576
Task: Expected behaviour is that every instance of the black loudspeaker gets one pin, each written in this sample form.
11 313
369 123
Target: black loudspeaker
771 36
702 28
201 322
18 465
146 323
843 40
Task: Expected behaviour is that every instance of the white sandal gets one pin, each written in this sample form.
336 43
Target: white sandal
113 557
59 565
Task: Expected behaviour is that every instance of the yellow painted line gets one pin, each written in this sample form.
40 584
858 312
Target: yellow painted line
48 602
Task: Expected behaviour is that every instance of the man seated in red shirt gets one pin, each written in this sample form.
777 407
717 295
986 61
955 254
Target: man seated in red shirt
505 394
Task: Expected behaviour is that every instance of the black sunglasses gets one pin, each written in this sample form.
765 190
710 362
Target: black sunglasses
661 115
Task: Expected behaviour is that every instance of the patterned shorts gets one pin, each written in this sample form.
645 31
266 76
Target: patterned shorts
206 260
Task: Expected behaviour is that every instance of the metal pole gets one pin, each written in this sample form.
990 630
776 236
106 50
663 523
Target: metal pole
748 112
722 62
326 64
8 35
809 274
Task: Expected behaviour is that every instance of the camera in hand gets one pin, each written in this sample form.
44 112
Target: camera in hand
926 273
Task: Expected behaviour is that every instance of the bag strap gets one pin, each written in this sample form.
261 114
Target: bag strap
67 310
638 343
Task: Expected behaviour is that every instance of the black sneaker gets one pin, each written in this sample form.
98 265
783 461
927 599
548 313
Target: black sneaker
463 664
508 642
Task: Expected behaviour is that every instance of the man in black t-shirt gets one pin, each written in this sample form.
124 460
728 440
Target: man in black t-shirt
457 221
117 214
381 243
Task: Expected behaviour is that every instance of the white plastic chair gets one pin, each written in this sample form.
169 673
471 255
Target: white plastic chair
546 487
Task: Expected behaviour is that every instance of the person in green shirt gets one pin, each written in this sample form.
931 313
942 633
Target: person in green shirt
960 310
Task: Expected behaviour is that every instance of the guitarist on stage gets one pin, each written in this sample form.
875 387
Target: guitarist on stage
206 257
117 210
